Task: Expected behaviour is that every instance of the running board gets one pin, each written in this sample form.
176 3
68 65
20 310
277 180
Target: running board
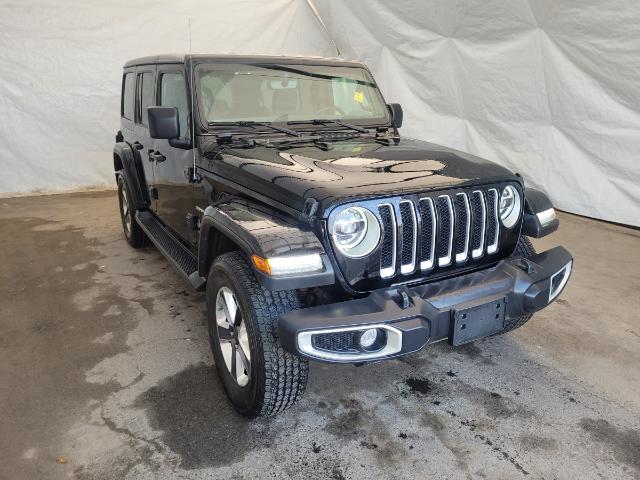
179 255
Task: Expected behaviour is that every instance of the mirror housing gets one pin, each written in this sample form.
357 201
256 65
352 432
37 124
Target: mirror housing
164 122
396 114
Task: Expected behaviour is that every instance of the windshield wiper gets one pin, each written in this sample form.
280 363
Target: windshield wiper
322 121
315 140
251 123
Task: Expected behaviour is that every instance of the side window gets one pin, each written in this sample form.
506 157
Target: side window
172 92
145 97
128 94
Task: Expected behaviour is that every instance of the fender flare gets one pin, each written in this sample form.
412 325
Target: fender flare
256 229
132 168
536 201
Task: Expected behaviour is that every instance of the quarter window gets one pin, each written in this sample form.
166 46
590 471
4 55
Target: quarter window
128 95
173 93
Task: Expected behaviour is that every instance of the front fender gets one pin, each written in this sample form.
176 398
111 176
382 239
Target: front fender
256 229
537 202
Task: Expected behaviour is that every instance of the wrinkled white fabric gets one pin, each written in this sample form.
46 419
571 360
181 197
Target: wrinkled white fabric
61 72
550 89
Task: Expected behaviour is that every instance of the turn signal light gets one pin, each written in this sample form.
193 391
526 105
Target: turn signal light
289 265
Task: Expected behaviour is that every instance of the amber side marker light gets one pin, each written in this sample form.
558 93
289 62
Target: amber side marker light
261 264
288 265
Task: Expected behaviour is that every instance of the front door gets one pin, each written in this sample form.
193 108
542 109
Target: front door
175 202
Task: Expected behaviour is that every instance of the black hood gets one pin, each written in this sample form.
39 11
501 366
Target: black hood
352 169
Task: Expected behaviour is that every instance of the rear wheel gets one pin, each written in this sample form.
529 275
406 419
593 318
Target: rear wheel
258 375
524 249
132 231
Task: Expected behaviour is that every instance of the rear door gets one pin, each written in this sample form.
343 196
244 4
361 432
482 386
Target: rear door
127 104
145 91
175 204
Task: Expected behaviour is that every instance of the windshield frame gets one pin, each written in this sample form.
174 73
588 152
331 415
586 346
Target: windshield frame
205 126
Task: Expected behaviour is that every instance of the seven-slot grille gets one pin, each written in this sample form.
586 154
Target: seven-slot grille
438 231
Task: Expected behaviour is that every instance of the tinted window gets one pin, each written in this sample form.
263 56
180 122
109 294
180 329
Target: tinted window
145 99
277 93
128 94
173 93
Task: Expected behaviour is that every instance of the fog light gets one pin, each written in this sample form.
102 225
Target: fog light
368 338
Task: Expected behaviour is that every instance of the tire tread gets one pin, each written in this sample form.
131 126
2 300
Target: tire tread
524 249
137 239
286 375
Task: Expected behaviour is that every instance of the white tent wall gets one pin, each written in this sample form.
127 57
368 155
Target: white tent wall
61 67
549 89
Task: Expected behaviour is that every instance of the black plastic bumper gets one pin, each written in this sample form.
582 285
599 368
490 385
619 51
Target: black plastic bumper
427 313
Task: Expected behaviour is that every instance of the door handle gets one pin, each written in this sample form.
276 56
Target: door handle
156 156
137 145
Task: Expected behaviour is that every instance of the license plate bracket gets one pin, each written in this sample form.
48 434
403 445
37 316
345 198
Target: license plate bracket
469 324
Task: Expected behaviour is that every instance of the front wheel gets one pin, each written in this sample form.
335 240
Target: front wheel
258 375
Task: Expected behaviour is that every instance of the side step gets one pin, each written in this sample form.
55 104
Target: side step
179 255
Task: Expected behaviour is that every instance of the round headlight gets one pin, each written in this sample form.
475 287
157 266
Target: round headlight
356 232
509 206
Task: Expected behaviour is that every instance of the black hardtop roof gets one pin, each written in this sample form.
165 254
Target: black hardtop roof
197 58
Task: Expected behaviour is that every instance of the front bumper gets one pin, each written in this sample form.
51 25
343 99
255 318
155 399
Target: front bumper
410 317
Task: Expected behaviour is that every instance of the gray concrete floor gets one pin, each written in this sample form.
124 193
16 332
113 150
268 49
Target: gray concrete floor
106 373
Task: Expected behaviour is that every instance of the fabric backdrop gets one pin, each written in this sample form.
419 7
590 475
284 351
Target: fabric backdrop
61 72
550 89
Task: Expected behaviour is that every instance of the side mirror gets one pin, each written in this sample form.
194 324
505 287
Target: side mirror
164 122
396 114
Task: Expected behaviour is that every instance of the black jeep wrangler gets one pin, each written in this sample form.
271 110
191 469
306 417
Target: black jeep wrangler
281 186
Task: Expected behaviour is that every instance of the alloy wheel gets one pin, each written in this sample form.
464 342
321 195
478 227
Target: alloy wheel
125 210
233 337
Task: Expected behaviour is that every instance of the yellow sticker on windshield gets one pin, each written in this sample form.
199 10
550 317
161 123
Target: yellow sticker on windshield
358 96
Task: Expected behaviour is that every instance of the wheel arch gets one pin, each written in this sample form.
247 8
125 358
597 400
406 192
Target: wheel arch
213 243
126 161
117 162
253 229
536 202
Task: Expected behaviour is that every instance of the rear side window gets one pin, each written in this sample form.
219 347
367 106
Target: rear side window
128 95
173 93
145 97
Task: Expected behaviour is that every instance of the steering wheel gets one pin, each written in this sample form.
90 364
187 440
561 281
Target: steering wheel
329 108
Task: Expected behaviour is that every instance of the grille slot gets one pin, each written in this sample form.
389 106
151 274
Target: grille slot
427 233
445 222
479 215
388 252
493 225
462 227
438 231
409 237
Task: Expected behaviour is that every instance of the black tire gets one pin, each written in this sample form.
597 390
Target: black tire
132 231
523 249
277 379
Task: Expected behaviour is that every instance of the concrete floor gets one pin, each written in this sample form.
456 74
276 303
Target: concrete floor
106 373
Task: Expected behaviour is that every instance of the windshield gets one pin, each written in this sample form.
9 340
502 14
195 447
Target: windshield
281 93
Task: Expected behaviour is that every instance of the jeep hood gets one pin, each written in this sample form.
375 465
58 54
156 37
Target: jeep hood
354 169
